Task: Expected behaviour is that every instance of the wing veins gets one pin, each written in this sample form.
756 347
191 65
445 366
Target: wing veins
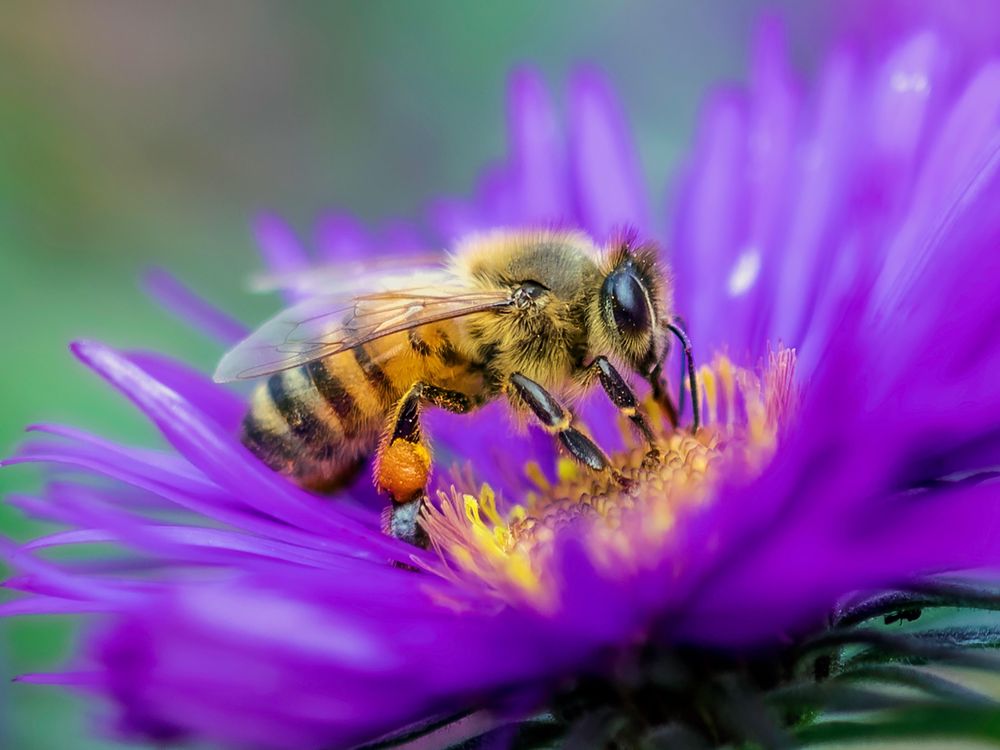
365 321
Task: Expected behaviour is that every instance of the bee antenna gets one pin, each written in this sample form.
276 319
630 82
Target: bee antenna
692 376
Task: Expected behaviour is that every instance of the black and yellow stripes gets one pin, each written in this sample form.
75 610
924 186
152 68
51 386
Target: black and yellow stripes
331 389
435 343
292 399
316 422
375 376
417 344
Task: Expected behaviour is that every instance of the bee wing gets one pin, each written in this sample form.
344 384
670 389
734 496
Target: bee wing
322 326
338 278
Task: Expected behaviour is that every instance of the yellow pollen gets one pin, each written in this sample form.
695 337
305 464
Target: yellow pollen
534 472
505 547
567 469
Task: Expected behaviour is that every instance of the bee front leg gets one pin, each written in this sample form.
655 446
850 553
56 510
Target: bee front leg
624 399
558 421
403 463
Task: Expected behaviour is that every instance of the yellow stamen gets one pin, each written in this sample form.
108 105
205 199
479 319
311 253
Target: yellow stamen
534 472
506 547
707 378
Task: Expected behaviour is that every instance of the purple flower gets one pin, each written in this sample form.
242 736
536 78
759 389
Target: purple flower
834 252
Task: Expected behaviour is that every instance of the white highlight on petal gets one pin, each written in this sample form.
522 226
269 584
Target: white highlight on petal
745 272
916 81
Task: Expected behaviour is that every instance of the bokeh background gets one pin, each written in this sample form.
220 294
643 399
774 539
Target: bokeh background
140 133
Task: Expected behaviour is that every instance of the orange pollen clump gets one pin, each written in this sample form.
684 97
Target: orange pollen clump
402 470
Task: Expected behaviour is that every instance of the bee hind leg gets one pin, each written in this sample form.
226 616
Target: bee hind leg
403 464
559 422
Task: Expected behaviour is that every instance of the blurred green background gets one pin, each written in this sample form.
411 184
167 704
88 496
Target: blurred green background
141 133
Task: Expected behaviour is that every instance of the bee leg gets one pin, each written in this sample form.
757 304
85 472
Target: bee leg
623 398
661 396
403 464
559 422
677 329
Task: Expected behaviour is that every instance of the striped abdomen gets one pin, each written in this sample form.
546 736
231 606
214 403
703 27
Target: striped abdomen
317 423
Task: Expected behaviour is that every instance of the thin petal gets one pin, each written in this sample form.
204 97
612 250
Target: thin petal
220 457
213 400
133 467
967 139
342 238
610 189
812 240
537 151
50 580
192 309
279 246
710 224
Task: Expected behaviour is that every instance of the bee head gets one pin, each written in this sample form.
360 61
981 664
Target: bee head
634 305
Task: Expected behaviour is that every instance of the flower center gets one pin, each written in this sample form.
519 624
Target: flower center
507 547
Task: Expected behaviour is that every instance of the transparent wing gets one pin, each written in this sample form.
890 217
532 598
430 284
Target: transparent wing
385 272
326 325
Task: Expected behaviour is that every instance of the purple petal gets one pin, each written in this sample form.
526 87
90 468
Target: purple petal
815 565
901 98
609 187
41 605
455 219
819 187
48 579
220 404
58 678
321 678
209 502
342 238
773 118
220 456
192 309
965 145
537 152
279 247
710 225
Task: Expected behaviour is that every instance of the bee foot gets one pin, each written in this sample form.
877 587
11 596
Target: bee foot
652 459
628 485
402 521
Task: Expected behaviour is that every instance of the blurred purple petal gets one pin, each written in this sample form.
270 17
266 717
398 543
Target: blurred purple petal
537 151
711 262
198 313
342 238
280 248
608 182
224 407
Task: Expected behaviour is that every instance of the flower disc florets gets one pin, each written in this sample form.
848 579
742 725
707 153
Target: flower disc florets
621 519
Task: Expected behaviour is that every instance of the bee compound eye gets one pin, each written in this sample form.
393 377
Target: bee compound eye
626 297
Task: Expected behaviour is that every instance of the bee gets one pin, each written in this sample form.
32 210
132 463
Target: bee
536 318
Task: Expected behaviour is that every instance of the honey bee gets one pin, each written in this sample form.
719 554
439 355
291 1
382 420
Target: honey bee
536 318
